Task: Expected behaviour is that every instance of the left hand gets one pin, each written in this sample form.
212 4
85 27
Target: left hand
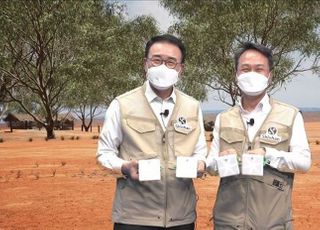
201 168
258 151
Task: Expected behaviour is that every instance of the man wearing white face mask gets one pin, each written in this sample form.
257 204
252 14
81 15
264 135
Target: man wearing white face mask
154 124
259 125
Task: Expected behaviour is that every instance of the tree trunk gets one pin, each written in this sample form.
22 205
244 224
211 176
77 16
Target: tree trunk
50 132
86 128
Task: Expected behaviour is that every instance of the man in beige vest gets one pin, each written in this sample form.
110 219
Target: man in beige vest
145 131
257 126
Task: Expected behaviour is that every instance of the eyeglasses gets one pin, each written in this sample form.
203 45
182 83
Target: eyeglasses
157 61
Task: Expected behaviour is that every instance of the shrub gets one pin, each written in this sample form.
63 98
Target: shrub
30 139
46 139
72 138
1 140
62 138
317 142
18 174
77 137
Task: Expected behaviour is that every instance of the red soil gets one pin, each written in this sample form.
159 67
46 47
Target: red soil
57 184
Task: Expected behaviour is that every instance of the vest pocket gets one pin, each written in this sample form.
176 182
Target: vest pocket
231 135
183 140
141 125
232 138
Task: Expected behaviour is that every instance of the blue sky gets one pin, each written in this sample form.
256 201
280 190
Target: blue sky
302 91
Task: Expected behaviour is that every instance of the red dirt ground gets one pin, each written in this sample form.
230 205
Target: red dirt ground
57 184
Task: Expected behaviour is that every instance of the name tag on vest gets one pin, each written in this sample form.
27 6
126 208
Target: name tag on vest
271 135
181 125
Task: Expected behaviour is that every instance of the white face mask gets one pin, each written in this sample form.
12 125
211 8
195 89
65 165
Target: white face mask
161 77
252 83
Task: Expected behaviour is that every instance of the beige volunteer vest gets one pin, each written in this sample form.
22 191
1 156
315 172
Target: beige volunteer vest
170 201
253 202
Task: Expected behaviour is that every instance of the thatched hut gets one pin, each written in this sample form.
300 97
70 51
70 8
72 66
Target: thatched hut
20 121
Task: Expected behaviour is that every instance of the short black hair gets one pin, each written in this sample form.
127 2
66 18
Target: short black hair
253 46
169 39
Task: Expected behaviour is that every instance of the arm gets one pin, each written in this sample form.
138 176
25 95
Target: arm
299 156
211 162
200 150
110 139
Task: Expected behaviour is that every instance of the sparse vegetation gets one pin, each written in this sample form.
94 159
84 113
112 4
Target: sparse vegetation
317 142
18 174
1 140
95 137
46 138
62 138
54 172
30 139
72 138
37 176
63 163
77 137
36 164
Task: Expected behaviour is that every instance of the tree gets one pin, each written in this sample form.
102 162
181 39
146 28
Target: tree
108 58
213 30
61 54
37 37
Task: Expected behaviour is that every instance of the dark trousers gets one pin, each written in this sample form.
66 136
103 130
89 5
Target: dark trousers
139 227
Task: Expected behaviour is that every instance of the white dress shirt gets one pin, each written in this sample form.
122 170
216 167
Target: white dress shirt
299 157
111 134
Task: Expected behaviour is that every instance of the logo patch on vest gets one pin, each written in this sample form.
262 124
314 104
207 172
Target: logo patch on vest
271 134
181 125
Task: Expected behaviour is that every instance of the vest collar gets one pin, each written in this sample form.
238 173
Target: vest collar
151 95
263 106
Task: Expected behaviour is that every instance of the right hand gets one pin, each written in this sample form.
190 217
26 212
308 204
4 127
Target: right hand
227 152
130 169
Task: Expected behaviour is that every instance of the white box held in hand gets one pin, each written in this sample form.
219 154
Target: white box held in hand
186 167
252 164
228 165
149 170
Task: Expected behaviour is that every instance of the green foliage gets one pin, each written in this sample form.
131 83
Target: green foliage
213 31
37 39
109 59
59 54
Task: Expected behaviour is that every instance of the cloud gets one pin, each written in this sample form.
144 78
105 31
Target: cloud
151 8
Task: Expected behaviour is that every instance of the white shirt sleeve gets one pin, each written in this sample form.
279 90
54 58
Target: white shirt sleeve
211 161
200 149
110 139
299 157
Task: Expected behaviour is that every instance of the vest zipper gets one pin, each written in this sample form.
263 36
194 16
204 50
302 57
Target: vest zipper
164 153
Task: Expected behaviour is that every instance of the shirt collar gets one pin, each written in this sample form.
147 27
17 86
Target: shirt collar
152 96
263 106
